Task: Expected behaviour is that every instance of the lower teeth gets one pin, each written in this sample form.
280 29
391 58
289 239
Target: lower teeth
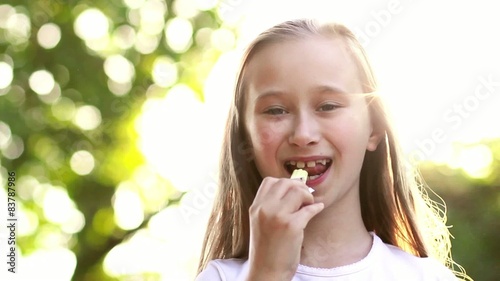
313 177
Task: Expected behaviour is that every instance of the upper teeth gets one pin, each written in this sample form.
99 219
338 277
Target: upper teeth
302 164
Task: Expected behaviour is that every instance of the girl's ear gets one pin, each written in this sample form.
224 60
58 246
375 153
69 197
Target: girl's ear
376 136
378 128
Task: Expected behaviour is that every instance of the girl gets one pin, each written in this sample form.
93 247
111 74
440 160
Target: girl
305 98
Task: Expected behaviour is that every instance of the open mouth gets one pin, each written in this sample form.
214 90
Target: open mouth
314 168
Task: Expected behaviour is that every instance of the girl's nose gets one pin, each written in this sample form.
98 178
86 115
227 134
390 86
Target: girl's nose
305 131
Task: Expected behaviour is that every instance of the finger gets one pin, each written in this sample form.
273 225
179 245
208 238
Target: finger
296 197
269 196
274 188
266 187
306 213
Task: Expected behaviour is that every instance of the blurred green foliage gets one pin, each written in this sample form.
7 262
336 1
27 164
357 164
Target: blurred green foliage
48 140
473 206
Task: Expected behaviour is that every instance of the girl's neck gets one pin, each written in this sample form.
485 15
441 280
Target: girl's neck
335 237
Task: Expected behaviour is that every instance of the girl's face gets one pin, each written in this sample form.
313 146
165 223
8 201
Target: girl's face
302 111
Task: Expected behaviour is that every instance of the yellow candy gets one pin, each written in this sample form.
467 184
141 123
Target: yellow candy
299 174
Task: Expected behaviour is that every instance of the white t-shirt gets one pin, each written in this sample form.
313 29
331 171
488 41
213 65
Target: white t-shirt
383 262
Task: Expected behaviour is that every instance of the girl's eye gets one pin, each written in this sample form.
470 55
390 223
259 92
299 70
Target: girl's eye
328 107
275 111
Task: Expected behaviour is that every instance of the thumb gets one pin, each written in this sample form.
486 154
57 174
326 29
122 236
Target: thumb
306 213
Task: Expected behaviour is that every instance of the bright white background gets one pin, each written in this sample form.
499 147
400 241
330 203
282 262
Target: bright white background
429 57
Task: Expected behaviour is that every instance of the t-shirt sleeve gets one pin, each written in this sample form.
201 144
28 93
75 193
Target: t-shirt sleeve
441 272
210 273
224 270
447 275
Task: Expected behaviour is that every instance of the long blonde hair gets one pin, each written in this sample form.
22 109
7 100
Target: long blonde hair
394 203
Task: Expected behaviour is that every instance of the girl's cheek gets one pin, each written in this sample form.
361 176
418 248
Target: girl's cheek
267 135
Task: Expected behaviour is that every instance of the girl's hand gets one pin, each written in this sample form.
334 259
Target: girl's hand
279 213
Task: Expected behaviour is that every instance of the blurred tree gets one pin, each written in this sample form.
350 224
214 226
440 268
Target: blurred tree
470 187
75 75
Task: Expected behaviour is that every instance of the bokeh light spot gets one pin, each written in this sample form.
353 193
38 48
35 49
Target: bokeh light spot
27 187
134 4
41 264
129 212
57 205
28 222
5 135
64 109
178 33
41 82
14 147
87 117
6 11
75 222
152 16
47 150
103 222
124 37
206 4
6 74
119 89
18 28
476 161
100 45
186 8
91 24
125 260
119 69
203 37
164 72
52 96
154 191
146 43
82 162
49 35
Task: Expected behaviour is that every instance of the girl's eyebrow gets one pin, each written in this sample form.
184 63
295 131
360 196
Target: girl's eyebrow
329 89
268 93
318 89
